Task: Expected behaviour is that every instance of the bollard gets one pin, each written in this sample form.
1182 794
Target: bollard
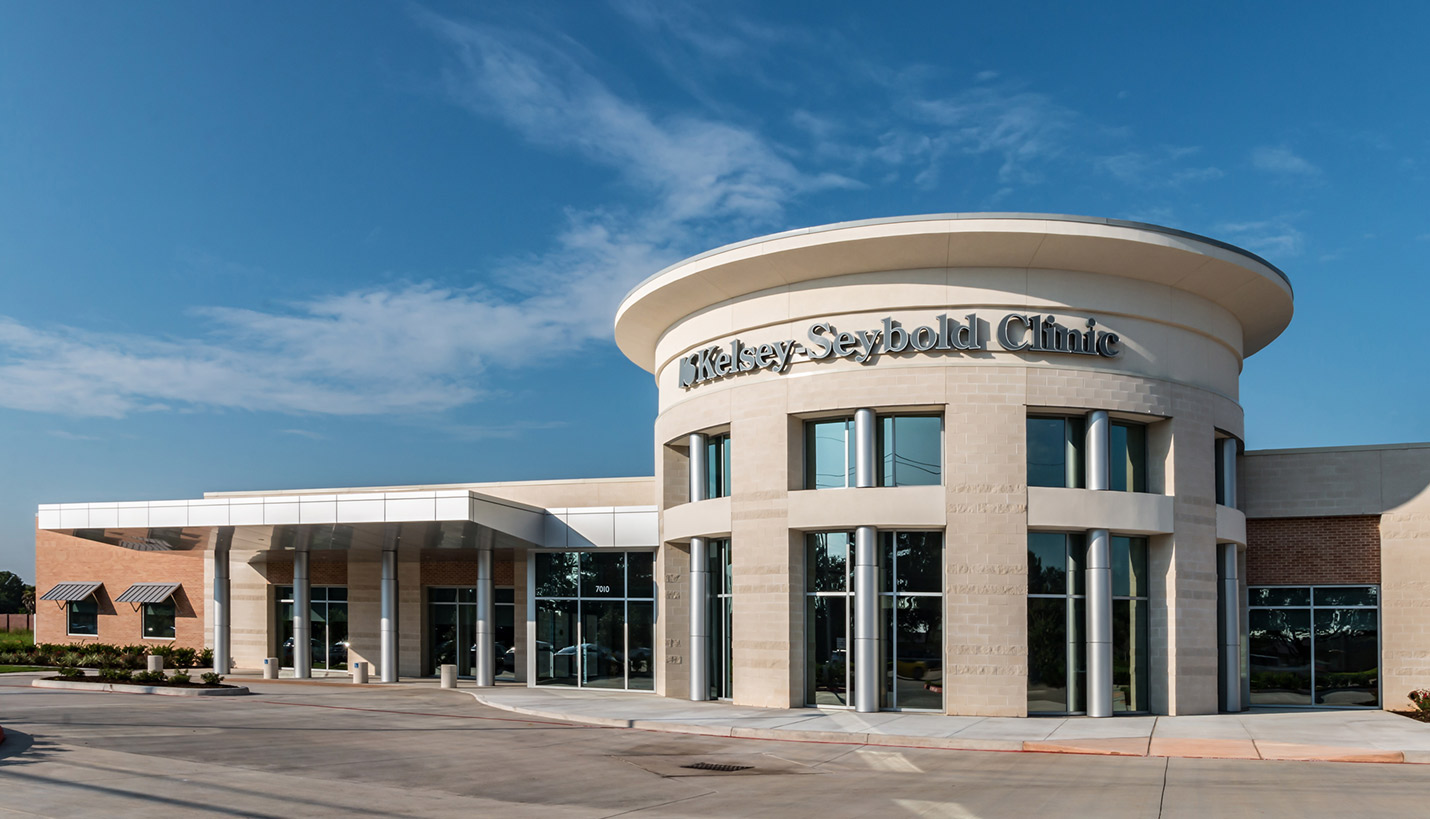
449 676
270 668
155 662
360 673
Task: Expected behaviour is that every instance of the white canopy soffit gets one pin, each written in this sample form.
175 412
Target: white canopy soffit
70 592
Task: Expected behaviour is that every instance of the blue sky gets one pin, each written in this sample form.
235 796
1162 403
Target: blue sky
336 244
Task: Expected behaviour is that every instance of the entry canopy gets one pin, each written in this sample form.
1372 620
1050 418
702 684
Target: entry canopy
70 592
148 593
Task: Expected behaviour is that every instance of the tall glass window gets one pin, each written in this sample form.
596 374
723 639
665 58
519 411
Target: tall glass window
595 616
717 466
721 595
1128 461
1057 670
158 620
829 454
82 617
1129 625
911 619
504 607
910 450
328 624
1055 452
1315 645
829 657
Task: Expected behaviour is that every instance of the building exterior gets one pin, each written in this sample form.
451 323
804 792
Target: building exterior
984 464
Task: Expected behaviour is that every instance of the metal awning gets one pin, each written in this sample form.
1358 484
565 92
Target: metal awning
70 592
148 593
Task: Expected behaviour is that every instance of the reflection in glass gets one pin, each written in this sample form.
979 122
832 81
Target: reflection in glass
914 673
1129 656
327 626
556 574
556 642
641 582
830 651
159 620
828 563
1346 596
910 450
1280 656
504 633
1055 452
1129 457
603 574
640 627
1279 596
1047 655
918 557
83 617
1047 563
603 637
828 454
1347 656
721 579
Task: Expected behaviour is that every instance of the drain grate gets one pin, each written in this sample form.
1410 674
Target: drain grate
716 766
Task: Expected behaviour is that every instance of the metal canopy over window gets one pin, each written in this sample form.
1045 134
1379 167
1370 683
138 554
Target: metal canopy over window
148 593
70 592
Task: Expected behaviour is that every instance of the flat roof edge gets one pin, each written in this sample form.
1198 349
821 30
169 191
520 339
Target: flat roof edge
1326 449
425 487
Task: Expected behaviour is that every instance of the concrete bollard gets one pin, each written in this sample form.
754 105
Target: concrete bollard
270 668
155 662
449 676
360 673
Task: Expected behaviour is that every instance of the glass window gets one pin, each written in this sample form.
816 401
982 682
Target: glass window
721 597
1315 646
829 454
911 620
327 623
601 635
1128 461
829 561
1219 460
1055 452
910 450
717 466
829 657
1130 614
158 619
83 617
1057 670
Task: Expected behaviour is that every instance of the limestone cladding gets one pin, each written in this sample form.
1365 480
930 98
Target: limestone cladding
1313 551
985 506
61 558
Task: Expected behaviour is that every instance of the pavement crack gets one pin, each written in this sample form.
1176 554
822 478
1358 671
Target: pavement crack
1162 802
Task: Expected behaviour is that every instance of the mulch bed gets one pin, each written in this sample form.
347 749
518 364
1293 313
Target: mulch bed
164 684
1418 716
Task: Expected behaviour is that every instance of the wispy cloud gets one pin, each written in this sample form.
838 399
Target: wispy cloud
1284 162
1160 167
66 435
1269 237
304 433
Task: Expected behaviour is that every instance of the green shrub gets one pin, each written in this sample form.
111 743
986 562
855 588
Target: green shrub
119 675
1421 698
72 673
211 678
183 657
181 677
205 658
149 677
161 651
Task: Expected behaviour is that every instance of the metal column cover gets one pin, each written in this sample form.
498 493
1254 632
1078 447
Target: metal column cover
1244 618
699 617
302 609
1099 472
866 619
1230 599
1228 470
1099 623
698 467
864 454
485 666
387 630
223 652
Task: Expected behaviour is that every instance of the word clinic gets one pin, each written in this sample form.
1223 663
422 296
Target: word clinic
1016 332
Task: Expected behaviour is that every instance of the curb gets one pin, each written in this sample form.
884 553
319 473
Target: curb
120 688
1124 747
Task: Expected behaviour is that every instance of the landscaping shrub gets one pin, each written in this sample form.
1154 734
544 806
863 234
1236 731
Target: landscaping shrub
119 675
183 657
149 677
72 673
210 678
1421 698
205 658
181 677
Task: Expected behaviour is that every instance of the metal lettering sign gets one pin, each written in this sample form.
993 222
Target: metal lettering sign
1015 332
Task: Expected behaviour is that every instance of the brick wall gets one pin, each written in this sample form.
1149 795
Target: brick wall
1293 551
325 568
61 558
447 571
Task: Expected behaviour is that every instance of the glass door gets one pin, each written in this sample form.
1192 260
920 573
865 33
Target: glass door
829 659
452 629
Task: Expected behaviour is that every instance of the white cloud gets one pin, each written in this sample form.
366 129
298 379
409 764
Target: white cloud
1284 161
1268 237
1160 167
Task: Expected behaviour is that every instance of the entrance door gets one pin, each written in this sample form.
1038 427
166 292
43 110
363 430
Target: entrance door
452 624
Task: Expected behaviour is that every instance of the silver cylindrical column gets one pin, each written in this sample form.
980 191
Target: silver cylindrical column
221 601
1099 623
302 609
1244 618
865 457
866 619
698 467
699 618
1096 450
1230 598
1228 471
485 666
387 630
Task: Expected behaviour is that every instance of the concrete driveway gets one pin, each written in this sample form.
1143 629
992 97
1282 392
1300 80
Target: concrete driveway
317 750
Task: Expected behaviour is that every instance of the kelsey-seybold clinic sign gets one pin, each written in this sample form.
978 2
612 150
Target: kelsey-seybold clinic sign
1016 332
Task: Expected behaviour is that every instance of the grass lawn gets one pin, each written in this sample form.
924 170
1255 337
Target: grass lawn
16 639
6 669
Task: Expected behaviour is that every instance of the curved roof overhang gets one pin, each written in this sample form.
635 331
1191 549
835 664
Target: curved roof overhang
1257 293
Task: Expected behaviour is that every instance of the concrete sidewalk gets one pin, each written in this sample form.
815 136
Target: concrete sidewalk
1328 736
